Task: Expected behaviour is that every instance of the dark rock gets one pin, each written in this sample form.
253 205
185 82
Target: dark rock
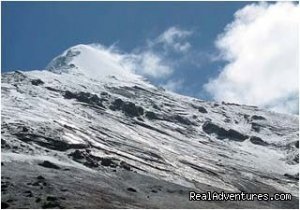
69 95
85 158
94 98
256 117
4 185
77 154
234 135
104 94
227 120
140 119
40 178
210 128
155 107
48 164
48 142
154 191
125 165
35 183
24 129
116 104
131 189
183 120
246 117
68 127
171 191
228 103
258 141
91 164
38 200
51 205
297 144
51 198
84 97
28 193
129 108
202 109
293 177
140 110
52 89
108 162
4 205
255 127
37 82
4 144
151 115
132 110
296 158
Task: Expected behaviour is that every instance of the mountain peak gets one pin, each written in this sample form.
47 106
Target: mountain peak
92 60
122 137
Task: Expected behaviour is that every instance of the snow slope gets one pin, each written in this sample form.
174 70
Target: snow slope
92 116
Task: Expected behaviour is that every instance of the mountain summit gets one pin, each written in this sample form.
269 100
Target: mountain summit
90 133
93 61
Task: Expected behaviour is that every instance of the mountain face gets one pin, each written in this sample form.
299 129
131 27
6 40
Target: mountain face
89 133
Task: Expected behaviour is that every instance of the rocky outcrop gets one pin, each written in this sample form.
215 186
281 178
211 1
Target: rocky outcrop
127 108
221 133
258 141
37 82
84 97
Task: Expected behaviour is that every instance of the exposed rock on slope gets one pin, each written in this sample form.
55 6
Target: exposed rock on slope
75 138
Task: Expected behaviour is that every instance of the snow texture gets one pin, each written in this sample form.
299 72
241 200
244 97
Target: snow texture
91 116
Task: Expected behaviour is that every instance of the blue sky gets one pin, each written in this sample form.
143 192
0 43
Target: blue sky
35 32
48 28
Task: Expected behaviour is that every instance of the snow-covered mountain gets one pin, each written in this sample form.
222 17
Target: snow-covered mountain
90 133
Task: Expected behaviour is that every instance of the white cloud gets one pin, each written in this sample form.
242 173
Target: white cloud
154 60
173 85
261 48
174 39
150 64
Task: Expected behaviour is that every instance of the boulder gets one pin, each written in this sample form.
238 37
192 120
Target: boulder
257 117
37 82
221 133
258 141
202 110
48 164
151 115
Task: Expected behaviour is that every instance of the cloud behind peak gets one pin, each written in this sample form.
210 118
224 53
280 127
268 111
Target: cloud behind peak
261 50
